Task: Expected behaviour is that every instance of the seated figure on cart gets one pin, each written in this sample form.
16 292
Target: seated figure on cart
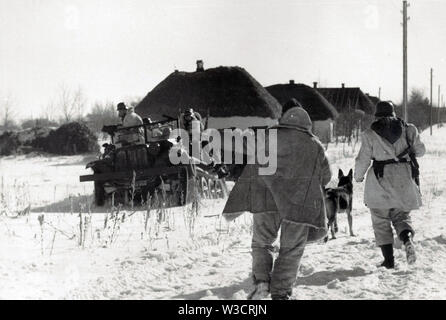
130 120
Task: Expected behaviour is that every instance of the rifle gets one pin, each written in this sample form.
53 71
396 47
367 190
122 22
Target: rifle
169 117
415 168
414 165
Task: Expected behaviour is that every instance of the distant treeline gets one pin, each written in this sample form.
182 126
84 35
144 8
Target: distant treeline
100 115
67 105
72 133
348 126
419 110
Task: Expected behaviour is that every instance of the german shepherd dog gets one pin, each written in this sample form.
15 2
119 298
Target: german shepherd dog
338 200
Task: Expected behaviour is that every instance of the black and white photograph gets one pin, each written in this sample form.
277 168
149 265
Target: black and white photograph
237 150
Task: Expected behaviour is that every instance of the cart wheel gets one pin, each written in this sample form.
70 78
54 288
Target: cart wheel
99 194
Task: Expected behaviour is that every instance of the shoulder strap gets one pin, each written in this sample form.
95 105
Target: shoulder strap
407 150
407 137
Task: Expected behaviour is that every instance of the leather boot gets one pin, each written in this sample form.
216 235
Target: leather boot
389 261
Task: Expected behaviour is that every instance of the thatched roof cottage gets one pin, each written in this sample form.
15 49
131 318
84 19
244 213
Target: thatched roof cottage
227 96
321 112
345 99
355 108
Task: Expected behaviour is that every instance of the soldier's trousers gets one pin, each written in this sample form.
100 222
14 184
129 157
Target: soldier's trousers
281 274
383 219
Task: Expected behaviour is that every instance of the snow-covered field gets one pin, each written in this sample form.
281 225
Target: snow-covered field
205 258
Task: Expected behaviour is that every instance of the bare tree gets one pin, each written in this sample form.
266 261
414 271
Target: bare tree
7 113
49 111
64 102
71 103
79 102
101 114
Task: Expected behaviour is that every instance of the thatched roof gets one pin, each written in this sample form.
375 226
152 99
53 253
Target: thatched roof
344 98
312 101
222 91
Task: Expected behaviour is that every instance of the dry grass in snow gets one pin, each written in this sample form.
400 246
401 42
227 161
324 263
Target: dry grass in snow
66 249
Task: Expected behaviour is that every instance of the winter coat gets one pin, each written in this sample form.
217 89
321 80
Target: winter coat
131 119
295 190
396 189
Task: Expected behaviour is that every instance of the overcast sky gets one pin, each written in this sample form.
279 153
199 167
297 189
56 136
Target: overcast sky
117 49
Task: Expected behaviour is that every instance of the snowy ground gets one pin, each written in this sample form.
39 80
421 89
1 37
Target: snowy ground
203 259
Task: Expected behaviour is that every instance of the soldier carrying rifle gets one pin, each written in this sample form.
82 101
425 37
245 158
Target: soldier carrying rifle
392 183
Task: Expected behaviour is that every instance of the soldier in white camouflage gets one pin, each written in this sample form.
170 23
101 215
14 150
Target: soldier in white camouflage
129 119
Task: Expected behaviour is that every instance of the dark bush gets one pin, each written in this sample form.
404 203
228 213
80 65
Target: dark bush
9 143
69 139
